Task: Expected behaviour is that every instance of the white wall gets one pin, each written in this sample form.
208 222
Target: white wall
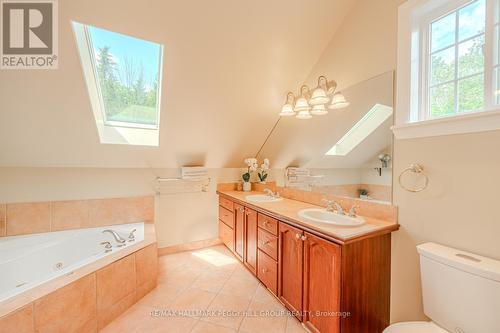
180 218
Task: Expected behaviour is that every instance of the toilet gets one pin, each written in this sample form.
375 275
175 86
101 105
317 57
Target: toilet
460 290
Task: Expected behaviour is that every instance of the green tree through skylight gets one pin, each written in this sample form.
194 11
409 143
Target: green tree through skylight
127 72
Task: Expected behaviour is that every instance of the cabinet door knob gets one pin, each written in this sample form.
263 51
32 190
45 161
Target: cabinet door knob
303 238
297 236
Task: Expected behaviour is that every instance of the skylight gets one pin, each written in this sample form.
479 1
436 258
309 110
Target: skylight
123 76
377 115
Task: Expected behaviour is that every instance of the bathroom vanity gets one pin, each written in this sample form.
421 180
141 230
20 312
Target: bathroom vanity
334 279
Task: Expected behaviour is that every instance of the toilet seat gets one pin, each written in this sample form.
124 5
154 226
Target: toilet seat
415 327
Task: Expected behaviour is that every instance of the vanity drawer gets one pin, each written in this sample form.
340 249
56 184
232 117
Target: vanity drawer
268 223
226 216
226 235
268 272
226 203
268 243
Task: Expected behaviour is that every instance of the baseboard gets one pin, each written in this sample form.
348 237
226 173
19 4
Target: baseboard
188 246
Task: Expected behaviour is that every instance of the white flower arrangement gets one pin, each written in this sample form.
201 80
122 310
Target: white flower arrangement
252 166
264 167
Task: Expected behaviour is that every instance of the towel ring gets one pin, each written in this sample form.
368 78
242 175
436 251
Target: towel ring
418 169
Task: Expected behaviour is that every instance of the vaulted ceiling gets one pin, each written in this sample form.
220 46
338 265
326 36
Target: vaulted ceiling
227 67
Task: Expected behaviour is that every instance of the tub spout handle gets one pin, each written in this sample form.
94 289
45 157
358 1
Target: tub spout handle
131 236
108 247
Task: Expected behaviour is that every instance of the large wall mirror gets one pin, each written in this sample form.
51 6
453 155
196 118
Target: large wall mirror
347 152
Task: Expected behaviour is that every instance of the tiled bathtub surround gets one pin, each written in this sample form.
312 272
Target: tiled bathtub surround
376 210
91 302
31 218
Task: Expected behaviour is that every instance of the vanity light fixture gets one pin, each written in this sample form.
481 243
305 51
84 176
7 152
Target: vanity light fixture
338 102
315 103
319 110
287 109
302 106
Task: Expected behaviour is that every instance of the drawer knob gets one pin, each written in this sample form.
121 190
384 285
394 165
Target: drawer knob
266 223
303 238
297 236
265 243
264 270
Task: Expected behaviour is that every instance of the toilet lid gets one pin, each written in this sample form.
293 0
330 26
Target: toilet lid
415 327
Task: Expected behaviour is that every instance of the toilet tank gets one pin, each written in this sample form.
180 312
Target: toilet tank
461 290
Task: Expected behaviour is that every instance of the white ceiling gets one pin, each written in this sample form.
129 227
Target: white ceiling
227 67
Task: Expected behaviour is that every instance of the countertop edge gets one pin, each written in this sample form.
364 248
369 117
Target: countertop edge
297 223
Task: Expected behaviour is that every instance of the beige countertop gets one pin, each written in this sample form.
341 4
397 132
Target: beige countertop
287 210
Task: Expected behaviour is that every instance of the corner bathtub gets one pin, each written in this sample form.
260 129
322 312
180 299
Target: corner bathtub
29 261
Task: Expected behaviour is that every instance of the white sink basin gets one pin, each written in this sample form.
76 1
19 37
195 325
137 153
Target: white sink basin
324 216
262 198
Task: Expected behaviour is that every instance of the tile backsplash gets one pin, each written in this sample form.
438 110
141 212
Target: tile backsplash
37 217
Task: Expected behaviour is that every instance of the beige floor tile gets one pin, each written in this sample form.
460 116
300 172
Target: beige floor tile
211 281
163 295
193 301
270 317
241 286
242 271
184 275
294 326
227 310
263 295
204 327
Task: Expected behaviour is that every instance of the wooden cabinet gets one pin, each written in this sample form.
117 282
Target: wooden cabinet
332 288
290 262
322 267
250 257
268 271
226 235
239 230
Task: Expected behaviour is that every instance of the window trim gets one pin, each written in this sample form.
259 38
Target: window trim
409 122
111 132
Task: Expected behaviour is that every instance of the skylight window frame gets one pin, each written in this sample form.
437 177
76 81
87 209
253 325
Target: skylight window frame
102 107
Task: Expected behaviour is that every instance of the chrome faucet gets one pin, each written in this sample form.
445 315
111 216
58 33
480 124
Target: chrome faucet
332 206
271 193
352 211
131 236
117 237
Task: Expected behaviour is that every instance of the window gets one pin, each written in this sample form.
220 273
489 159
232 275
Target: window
456 72
123 76
448 67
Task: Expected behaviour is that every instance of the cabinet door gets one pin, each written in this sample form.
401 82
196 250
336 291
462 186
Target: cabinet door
250 257
290 262
226 235
239 230
321 284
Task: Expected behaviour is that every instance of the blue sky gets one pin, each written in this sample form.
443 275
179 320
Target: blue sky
471 21
122 46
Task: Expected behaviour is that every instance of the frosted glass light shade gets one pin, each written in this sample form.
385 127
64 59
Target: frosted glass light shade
302 105
319 97
304 114
319 110
287 110
338 102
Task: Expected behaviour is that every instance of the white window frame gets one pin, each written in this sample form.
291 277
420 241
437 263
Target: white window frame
412 121
113 132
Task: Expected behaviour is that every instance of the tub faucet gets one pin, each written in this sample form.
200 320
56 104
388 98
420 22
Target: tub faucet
117 237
